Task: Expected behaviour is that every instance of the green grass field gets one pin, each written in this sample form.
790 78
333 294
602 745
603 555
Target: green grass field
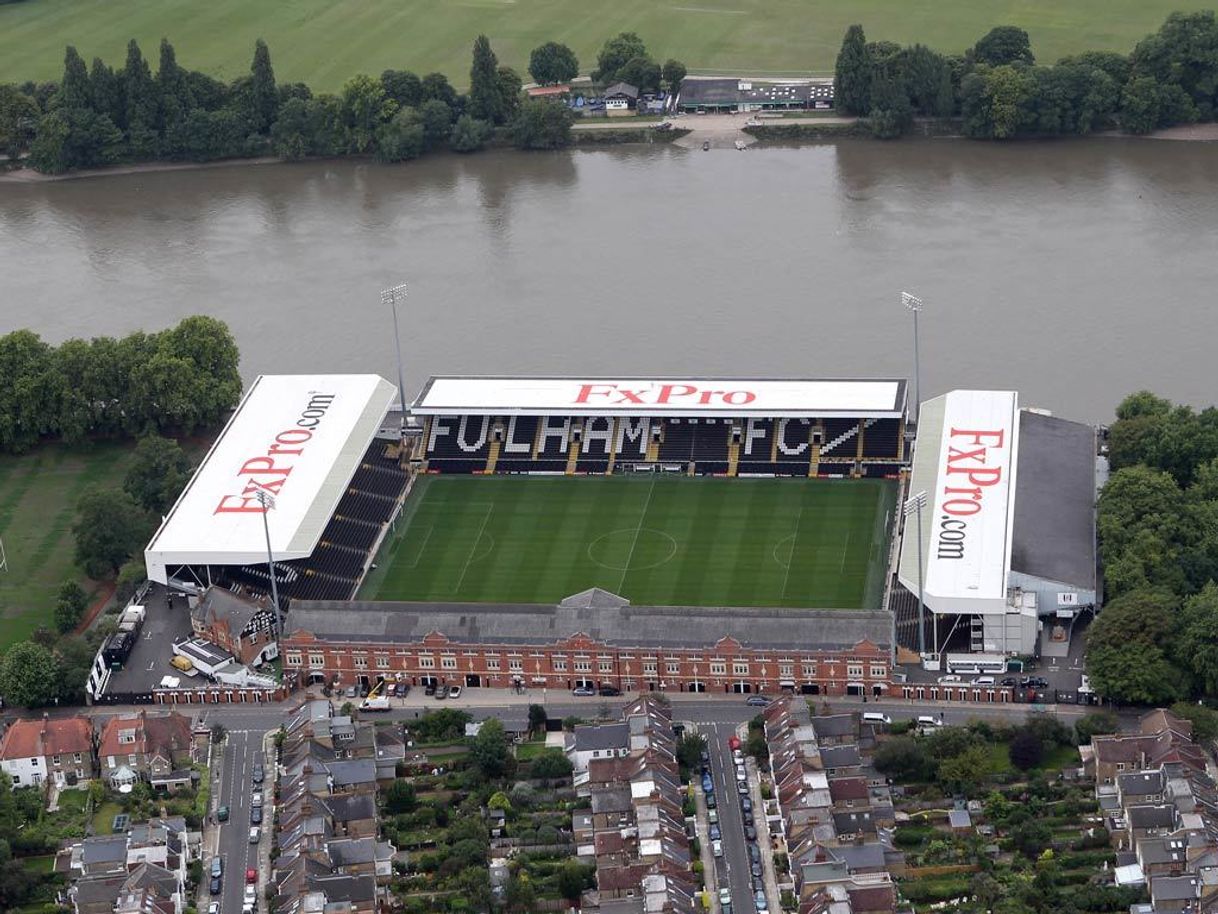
323 42
654 540
38 496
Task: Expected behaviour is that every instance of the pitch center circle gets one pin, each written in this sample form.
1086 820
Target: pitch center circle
631 549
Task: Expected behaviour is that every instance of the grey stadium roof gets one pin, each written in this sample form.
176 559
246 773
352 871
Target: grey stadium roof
1054 529
599 615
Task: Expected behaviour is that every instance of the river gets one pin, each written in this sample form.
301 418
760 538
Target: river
1073 271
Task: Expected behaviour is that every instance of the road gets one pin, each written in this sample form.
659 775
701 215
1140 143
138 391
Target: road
242 750
733 866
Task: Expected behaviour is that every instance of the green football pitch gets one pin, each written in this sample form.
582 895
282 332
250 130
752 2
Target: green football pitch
670 541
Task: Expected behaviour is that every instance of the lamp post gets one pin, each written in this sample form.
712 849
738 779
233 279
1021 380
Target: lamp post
914 505
390 297
267 500
914 304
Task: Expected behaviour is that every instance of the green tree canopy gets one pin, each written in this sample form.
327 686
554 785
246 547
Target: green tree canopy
552 63
542 124
364 107
264 97
1004 44
28 675
403 87
469 134
617 51
110 527
70 605
485 95
489 749
1127 646
674 73
158 473
852 74
1026 749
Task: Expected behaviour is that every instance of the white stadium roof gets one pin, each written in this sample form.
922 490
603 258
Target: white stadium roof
301 437
965 462
666 397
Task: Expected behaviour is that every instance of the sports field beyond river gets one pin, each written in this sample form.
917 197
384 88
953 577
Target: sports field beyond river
323 42
669 541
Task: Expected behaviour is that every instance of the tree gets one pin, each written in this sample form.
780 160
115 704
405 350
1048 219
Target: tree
617 51
489 749
436 85
1025 749
499 800
18 120
403 87
552 63
542 124
130 576
474 885
674 74
1183 54
550 764
485 97
73 661
689 750
641 72
510 88
28 675
70 606
1203 719
143 105
537 718
74 138
264 98
158 473
74 89
403 137
109 528
1004 44
518 894
1197 642
436 120
26 386
364 108
1127 649
1096 723
891 113
175 102
574 878
903 759
962 773
852 74
1140 105
400 798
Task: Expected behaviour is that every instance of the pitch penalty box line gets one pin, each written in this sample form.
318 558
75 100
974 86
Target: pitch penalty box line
473 549
786 576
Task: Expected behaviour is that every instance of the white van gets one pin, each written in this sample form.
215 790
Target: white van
927 721
983 681
875 717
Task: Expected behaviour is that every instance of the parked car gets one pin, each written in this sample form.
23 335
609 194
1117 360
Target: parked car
741 775
717 848
733 743
255 815
222 814
256 798
755 869
255 835
710 801
757 701
213 908
746 804
715 834
750 833
215 886
712 816
708 786
725 895
351 691
454 692
737 756
742 788
583 691
746 816
705 756
758 884
927 720
759 900
251 876
250 896
217 866
259 774
441 693
610 691
1010 681
726 908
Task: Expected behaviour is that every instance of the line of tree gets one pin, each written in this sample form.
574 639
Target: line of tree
999 92
181 379
96 116
1156 640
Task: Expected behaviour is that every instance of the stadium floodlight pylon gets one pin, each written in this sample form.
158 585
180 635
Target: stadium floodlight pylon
914 505
914 304
390 297
267 500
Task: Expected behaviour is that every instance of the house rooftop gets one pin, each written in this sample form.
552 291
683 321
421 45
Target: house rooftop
595 737
40 737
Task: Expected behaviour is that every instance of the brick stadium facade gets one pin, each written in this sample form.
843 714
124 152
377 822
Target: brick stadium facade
593 639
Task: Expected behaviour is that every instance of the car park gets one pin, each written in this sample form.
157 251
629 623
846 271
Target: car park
454 692
583 691
717 848
757 701
255 815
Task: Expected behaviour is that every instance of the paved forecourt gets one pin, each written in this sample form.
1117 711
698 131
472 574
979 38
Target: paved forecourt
658 540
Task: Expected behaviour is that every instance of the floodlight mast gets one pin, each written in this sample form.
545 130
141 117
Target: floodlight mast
267 500
914 505
390 297
914 304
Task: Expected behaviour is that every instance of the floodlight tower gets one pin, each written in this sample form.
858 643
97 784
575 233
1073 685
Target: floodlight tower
267 500
390 297
914 304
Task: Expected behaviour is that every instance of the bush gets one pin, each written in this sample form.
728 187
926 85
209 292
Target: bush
469 134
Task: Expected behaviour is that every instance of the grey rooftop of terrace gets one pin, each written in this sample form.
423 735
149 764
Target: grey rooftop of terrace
598 614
